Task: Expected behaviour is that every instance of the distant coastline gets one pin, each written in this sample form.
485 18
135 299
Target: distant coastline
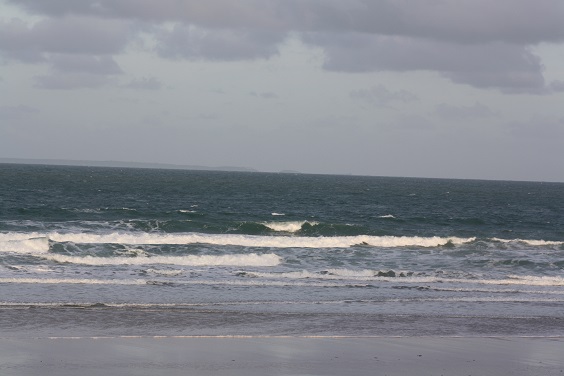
172 166
120 164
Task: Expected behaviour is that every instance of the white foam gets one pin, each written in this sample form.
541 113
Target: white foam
10 236
85 210
166 305
74 281
290 226
278 214
466 299
536 281
372 275
329 274
351 273
191 260
170 273
535 243
386 216
139 238
470 299
195 282
511 290
27 246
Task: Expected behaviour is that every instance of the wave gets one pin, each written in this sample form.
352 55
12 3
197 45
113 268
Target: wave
192 260
26 246
169 273
337 278
140 238
499 290
404 277
89 211
241 282
38 242
291 226
535 243
96 210
74 281
167 306
537 281
340 274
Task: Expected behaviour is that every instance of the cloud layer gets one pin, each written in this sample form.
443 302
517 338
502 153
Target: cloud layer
482 43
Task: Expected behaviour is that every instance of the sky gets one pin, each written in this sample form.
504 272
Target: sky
437 88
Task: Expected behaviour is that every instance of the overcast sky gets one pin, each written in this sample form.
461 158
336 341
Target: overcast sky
435 88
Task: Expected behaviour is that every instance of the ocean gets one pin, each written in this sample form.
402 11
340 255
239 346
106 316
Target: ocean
92 251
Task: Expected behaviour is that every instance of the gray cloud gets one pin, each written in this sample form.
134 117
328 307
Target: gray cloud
78 49
194 43
264 95
539 127
144 83
509 67
67 81
557 86
482 43
71 35
412 122
11 113
15 42
212 13
381 96
85 63
476 111
469 21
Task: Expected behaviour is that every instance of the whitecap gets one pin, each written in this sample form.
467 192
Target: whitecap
165 272
531 242
140 238
290 226
252 259
33 245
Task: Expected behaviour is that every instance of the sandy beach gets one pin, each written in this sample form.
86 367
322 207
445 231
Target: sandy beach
138 356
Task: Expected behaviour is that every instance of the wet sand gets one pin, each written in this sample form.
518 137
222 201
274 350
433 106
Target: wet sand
129 356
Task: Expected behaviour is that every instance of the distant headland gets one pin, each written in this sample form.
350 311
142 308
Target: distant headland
169 166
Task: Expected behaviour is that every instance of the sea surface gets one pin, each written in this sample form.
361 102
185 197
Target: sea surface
91 251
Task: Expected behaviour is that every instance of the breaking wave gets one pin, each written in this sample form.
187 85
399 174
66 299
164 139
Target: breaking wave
192 260
404 276
140 238
535 243
30 245
292 226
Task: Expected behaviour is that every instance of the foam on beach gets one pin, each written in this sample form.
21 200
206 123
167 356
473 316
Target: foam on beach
251 259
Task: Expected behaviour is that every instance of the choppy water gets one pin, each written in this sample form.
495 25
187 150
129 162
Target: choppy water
106 251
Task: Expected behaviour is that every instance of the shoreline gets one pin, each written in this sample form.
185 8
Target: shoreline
129 356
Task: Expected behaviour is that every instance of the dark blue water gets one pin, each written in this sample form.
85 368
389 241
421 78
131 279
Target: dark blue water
258 253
